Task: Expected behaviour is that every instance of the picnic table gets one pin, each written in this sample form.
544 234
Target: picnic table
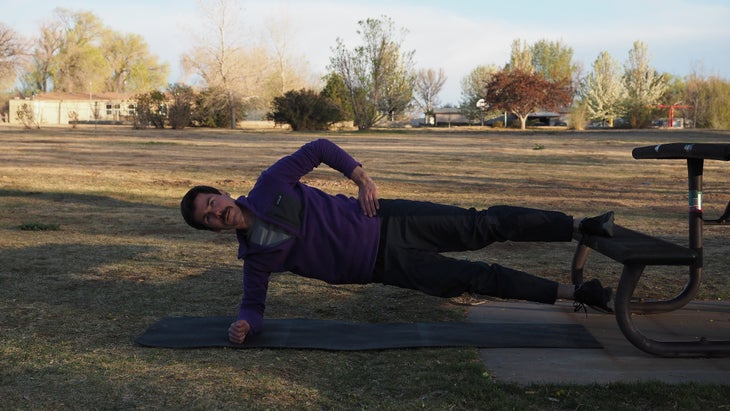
637 250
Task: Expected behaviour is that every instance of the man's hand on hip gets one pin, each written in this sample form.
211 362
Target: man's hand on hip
368 192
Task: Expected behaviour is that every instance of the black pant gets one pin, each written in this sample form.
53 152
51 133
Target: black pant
414 234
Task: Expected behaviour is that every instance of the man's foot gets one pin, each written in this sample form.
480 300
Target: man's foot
594 295
601 225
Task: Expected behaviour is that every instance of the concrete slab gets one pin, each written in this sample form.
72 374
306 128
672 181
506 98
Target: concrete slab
619 360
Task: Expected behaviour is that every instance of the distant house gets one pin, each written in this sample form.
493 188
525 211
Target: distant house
538 118
443 117
449 116
68 108
546 118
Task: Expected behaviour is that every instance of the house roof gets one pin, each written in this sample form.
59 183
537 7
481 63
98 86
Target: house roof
447 110
55 96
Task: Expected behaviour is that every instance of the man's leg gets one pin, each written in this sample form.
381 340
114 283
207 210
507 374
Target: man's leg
414 233
441 228
442 276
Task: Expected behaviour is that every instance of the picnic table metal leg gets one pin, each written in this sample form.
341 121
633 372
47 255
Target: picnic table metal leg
580 258
694 167
623 309
622 305
579 262
675 303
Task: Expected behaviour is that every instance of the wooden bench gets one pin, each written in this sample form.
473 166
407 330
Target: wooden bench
637 250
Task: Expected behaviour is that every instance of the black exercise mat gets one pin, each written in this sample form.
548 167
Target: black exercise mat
199 332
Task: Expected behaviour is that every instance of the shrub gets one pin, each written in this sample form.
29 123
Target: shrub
578 116
73 118
305 110
26 117
212 108
640 116
151 110
180 110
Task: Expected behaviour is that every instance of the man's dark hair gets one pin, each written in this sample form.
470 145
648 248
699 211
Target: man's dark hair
187 205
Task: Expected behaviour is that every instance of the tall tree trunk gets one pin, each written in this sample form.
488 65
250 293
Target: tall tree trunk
232 107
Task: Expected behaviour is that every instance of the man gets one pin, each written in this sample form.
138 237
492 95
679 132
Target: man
285 225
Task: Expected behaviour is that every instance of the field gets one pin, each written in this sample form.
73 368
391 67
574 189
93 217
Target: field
93 250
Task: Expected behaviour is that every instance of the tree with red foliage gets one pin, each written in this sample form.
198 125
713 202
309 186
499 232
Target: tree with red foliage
522 93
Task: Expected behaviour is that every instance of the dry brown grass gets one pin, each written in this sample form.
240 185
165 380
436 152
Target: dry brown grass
73 299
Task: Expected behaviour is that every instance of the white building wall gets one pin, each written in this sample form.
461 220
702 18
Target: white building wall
61 112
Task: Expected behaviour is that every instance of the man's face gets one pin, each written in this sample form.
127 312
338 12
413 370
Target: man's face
219 212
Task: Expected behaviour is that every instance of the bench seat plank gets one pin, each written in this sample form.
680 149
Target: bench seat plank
631 247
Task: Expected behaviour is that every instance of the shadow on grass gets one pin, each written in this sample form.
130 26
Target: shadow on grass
64 274
86 285
93 214
70 198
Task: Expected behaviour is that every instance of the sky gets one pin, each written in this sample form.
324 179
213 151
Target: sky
682 36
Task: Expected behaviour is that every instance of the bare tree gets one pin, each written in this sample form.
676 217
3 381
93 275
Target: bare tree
709 97
428 86
288 70
46 47
219 58
377 74
12 52
695 94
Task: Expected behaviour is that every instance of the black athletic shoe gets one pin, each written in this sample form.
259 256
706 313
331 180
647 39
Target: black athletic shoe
601 225
594 295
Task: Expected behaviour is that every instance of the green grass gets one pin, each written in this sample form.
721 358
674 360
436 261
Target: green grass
72 300
39 227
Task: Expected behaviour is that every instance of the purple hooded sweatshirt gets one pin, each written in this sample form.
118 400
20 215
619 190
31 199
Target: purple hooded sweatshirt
331 239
